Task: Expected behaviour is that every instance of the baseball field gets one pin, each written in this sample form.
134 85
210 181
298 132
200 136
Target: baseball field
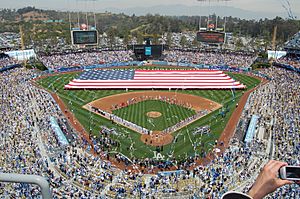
185 143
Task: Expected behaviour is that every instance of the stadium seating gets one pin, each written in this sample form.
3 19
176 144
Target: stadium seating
29 146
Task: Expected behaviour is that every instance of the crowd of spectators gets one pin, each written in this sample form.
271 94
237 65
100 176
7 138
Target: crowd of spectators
233 59
277 105
10 40
294 43
75 59
29 146
7 61
292 61
19 150
57 61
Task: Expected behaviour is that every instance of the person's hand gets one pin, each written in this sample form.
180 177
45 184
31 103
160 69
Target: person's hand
268 180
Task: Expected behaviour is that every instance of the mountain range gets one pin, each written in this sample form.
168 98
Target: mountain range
179 10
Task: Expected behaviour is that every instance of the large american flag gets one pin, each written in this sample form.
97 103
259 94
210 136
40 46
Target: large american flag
154 79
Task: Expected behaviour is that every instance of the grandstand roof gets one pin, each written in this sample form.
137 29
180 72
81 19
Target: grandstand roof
294 43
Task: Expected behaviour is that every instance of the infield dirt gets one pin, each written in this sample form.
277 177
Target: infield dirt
157 138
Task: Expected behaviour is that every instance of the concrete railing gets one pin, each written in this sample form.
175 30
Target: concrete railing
31 179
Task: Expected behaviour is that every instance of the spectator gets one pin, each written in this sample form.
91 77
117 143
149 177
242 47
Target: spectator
267 182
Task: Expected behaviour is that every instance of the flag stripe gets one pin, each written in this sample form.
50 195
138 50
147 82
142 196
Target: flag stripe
156 81
153 87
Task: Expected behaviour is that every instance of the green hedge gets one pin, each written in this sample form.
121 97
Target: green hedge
260 65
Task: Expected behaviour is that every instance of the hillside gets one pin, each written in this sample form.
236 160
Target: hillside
43 22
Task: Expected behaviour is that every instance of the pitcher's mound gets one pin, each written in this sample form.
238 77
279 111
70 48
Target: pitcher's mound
153 114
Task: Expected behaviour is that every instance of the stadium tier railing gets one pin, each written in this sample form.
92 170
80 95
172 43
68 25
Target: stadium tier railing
286 66
10 67
30 179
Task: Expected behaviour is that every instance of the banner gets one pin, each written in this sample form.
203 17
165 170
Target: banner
276 54
21 54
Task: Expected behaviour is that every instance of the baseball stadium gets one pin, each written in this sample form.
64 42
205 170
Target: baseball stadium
199 112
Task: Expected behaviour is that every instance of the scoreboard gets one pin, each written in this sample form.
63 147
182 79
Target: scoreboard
84 37
146 52
211 37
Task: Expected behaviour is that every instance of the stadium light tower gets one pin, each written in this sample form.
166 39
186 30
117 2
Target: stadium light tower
215 24
213 33
83 33
288 8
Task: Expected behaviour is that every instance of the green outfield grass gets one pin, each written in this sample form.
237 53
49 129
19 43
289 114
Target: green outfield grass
184 145
171 114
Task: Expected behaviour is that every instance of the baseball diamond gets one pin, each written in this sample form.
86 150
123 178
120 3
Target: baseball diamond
179 110
183 142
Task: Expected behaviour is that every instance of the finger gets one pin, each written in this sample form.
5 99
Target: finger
271 167
277 165
283 182
271 164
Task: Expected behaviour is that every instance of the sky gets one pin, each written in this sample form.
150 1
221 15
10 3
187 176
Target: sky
98 5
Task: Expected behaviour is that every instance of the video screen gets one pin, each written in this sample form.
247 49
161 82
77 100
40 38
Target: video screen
148 51
85 37
211 37
292 172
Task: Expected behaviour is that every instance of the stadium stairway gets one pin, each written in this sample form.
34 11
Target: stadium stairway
114 181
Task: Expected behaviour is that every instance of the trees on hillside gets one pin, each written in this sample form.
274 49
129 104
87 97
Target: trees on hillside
125 26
